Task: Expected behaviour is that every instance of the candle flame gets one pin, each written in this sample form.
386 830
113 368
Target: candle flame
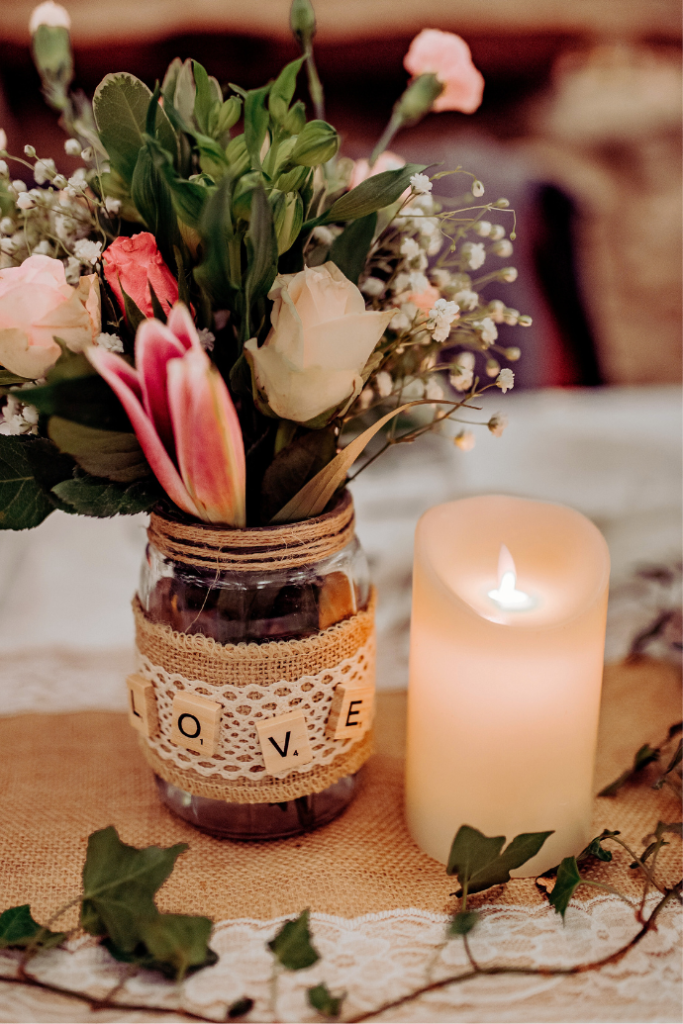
507 596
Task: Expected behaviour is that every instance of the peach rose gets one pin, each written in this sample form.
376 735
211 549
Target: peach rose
320 340
424 300
36 306
131 265
447 56
386 161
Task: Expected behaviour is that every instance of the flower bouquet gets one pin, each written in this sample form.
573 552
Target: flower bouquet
209 320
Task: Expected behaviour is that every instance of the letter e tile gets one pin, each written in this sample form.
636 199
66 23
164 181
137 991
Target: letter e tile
284 742
196 723
142 705
351 712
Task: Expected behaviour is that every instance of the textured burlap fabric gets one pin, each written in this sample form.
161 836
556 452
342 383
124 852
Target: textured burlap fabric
63 776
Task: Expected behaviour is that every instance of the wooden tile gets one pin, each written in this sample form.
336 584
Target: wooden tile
196 723
351 712
284 742
142 705
336 600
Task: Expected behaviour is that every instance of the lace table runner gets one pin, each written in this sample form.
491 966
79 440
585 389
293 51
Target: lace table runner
379 904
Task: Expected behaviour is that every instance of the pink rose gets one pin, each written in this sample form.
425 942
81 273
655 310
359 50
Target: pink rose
447 56
131 265
386 161
37 305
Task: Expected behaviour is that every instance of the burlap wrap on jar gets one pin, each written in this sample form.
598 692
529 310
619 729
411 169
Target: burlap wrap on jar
255 682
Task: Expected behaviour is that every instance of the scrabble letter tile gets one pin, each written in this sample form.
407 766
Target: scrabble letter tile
142 705
351 712
196 723
284 742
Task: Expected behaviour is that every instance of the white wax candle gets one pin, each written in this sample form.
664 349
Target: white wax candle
505 674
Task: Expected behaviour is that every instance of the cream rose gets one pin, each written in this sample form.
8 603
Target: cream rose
37 305
320 340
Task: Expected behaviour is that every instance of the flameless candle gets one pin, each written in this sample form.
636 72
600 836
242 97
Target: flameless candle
506 654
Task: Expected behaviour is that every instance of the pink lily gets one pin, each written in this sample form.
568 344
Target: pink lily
181 411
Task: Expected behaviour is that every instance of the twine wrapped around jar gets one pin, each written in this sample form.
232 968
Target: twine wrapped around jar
253 683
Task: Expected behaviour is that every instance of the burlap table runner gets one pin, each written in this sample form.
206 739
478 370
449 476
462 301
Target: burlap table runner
62 776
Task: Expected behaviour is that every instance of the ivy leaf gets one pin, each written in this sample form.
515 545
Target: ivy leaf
18 930
320 998
23 503
292 945
595 848
568 880
673 763
103 453
119 884
240 1007
463 923
645 756
349 250
174 944
371 195
478 862
92 496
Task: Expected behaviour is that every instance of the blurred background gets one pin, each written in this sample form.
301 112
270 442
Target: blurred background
580 128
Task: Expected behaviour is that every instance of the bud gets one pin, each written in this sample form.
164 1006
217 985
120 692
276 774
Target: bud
317 143
513 354
237 156
302 20
288 216
502 248
509 274
497 424
292 180
72 147
477 188
228 115
511 316
295 120
501 204
525 321
59 181
4 169
465 440
492 367
418 98
51 46
30 152
3 140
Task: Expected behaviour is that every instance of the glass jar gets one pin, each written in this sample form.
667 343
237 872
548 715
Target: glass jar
238 605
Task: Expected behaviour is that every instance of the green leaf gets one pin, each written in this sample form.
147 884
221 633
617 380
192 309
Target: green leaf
240 1007
134 315
645 756
478 862
372 194
205 99
119 884
92 496
7 379
217 274
673 764
568 880
292 467
320 998
349 251
87 400
316 144
23 503
255 123
171 943
292 945
103 453
595 848
282 90
120 107
18 930
262 251
463 923
673 828
152 198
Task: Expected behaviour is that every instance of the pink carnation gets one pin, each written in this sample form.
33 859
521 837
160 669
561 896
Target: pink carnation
386 161
131 265
447 56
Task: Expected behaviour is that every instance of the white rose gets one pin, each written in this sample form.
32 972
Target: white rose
320 340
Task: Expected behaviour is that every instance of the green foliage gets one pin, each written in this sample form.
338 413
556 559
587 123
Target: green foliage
91 496
320 998
645 756
51 49
463 923
282 91
255 123
7 378
220 271
119 886
674 763
371 195
103 453
568 880
292 945
23 502
349 250
120 106
317 143
18 930
262 254
595 848
88 400
479 861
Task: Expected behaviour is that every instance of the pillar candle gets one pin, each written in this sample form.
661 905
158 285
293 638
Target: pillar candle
506 655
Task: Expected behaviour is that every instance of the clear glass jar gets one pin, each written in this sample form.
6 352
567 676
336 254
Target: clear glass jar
234 606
